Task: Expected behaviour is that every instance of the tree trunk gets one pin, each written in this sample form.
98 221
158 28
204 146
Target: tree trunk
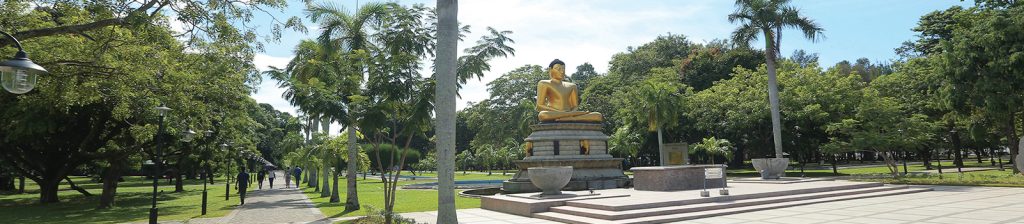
110 178
445 64
773 92
7 183
325 190
335 198
20 184
48 191
77 188
178 185
351 196
662 156
835 167
1011 134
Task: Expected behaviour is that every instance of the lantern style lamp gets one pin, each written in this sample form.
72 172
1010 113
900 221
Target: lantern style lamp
188 136
19 75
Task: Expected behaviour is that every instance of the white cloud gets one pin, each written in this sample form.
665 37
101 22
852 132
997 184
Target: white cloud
268 91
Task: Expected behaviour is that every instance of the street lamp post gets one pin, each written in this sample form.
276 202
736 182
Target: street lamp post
958 158
156 160
227 184
186 137
19 75
206 170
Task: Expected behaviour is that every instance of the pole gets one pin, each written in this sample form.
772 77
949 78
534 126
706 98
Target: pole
227 184
204 187
156 168
938 161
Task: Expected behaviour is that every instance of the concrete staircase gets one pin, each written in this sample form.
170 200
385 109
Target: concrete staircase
686 209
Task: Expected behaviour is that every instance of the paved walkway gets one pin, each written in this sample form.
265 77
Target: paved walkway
477 216
944 205
276 205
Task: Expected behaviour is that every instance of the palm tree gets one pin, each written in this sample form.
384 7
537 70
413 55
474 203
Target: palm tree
768 17
341 29
444 106
714 147
658 103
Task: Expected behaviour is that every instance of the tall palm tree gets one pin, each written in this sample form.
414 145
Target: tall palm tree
342 31
658 103
768 17
445 64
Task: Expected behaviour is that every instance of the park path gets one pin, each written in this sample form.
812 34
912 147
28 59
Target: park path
278 205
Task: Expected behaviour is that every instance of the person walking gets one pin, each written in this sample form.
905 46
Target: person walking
242 185
287 177
270 177
259 178
298 176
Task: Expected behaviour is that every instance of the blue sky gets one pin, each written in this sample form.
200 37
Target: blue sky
578 31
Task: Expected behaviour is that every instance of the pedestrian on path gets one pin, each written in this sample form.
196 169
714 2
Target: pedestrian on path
242 185
298 176
271 178
287 177
259 177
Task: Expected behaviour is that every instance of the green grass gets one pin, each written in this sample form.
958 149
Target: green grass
131 204
992 178
826 171
371 193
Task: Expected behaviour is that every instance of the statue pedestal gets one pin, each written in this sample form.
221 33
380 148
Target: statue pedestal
580 145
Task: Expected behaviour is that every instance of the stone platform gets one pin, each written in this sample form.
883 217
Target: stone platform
580 145
633 206
674 178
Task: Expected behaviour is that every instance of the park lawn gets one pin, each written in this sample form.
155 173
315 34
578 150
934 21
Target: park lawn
473 175
371 193
795 170
131 204
991 178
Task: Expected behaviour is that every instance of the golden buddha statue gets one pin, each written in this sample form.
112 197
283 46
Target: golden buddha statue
557 100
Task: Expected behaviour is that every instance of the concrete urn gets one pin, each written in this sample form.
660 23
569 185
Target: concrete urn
771 168
550 179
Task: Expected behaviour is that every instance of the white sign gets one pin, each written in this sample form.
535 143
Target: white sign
714 173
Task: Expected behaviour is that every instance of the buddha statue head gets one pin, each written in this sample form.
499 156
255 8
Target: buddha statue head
556 69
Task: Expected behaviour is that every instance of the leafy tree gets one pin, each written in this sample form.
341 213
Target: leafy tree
982 60
878 125
768 17
709 63
465 159
103 85
803 58
584 73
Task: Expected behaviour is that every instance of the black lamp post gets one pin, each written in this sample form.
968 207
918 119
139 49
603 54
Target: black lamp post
958 158
227 184
904 154
156 160
206 169
19 75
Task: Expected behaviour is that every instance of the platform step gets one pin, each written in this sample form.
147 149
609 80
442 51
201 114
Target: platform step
604 205
636 213
571 218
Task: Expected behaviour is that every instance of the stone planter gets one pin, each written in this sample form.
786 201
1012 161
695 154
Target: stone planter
771 168
550 179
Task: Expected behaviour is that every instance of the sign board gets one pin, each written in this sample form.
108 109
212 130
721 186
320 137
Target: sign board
714 173
674 154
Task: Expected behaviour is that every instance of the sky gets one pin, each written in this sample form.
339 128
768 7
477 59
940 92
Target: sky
578 31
